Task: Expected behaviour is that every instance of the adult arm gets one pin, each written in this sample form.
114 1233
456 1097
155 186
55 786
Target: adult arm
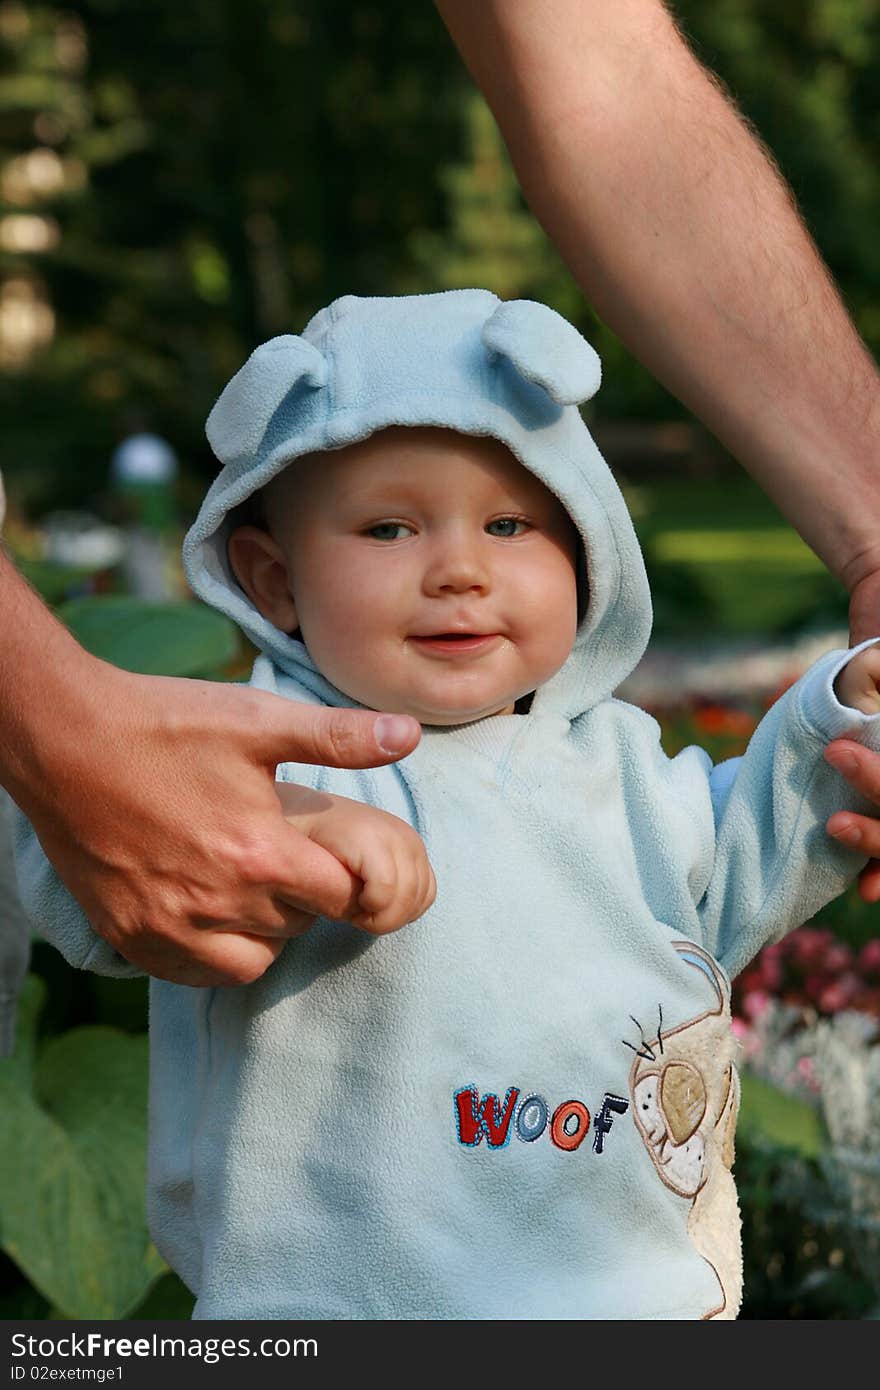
154 799
677 226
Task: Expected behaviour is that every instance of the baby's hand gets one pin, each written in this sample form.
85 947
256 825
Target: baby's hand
385 853
857 684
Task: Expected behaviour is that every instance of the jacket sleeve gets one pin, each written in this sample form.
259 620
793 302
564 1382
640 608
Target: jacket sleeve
774 864
15 932
55 913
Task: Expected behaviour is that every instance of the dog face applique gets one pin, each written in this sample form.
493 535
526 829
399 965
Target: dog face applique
685 1099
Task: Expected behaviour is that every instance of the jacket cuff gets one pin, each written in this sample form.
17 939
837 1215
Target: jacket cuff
823 712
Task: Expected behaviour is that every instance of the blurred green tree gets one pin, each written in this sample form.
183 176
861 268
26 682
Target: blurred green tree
236 166
179 182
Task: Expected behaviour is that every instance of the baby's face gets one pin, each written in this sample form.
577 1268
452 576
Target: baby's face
428 572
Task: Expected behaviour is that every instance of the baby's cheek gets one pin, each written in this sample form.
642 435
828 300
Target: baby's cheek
548 652
360 664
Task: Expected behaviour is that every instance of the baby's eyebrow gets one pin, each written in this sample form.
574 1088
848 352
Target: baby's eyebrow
359 508
372 492
390 500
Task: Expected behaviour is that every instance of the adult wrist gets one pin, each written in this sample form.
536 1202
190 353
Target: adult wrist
52 693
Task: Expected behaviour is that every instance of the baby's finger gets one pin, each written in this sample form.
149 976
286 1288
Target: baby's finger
379 899
421 886
418 878
430 886
408 900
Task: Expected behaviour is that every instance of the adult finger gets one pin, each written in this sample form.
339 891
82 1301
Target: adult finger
308 878
859 765
864 608
287 922
211 959
869 881
861 768
860 833
285 731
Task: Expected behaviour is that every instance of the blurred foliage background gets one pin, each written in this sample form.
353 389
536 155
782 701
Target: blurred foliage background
180 182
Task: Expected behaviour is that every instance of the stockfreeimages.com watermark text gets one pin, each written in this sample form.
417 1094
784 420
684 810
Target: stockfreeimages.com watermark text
94 1345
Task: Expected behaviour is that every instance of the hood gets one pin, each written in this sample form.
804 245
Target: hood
463 360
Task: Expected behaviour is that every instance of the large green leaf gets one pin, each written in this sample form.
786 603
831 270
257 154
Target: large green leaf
770 1114
72 1166
53 582
156 639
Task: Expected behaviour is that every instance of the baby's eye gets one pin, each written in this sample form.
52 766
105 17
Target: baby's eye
388 530
507 526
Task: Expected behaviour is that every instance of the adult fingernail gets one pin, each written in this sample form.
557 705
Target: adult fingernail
852 835
844 762
393 732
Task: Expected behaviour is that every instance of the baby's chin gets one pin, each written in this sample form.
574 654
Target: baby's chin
448 719
429 716
429 707
444 716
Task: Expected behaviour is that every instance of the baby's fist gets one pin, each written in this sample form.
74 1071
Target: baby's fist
857 684
380 849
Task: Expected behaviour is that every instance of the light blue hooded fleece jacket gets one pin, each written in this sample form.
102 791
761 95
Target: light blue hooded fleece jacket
522 1105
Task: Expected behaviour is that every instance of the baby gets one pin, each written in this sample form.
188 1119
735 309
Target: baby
522 1104
451 614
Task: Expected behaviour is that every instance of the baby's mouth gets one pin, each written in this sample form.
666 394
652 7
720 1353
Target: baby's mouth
454 642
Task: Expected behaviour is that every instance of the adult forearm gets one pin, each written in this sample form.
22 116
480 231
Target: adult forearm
680 231
42 684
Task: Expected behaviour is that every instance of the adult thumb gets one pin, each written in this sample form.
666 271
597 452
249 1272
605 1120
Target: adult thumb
864 608
298 733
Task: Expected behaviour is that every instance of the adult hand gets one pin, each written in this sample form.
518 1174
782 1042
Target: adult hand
859 765
157 808
864 608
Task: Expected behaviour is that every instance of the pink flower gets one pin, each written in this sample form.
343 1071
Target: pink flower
838 957
770 971
814 985
756 1003
869 956
808 946
807 1070
839 994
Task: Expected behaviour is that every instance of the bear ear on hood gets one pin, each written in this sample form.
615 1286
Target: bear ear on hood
544 348
241 414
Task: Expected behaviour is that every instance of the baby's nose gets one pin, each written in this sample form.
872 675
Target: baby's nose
457 569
